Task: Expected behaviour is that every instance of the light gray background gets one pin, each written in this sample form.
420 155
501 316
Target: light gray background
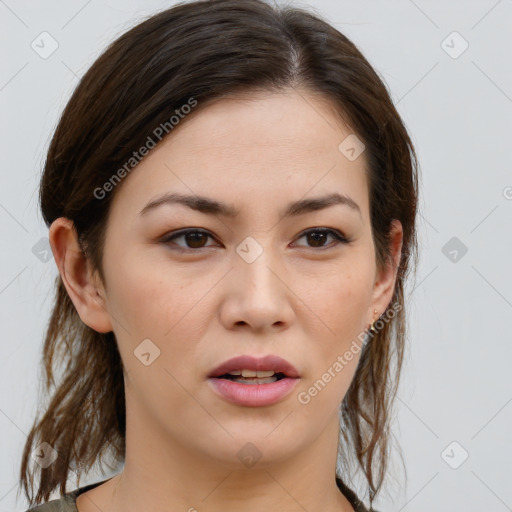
457 380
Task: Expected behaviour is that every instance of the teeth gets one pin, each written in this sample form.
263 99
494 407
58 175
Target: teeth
245 380
252 373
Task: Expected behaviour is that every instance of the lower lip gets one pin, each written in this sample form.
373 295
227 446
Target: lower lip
253 395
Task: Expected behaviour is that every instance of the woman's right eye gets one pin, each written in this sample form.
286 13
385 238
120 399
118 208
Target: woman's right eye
193 237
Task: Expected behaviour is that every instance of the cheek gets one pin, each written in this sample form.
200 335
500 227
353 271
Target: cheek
334 345
171 309
340 299
149 297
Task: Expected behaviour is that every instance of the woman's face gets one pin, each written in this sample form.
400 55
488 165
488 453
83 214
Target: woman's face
256 283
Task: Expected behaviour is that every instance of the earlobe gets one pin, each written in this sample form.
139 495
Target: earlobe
77 277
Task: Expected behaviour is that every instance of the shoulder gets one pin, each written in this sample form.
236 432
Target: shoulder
66 503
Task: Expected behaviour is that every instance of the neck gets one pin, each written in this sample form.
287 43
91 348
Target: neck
159 472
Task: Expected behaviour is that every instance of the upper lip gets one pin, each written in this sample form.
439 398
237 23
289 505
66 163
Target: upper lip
247 362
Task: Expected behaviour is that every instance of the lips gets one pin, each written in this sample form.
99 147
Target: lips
254 392
247 362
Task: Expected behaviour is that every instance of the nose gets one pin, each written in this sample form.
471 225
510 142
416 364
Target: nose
257 294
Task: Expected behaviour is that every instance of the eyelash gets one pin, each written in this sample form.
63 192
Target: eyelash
183 233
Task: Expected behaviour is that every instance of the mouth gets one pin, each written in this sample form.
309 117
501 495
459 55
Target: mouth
254 382
249 369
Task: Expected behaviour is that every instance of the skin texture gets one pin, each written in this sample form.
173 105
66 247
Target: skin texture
302 299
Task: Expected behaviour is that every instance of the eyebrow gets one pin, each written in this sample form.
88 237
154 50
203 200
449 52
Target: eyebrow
213 207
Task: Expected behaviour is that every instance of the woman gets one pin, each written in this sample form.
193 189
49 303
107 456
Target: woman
231 197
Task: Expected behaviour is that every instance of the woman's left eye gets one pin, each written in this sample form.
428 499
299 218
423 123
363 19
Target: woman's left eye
321 234
196 238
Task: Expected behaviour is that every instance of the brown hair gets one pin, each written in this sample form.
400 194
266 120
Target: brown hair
208 50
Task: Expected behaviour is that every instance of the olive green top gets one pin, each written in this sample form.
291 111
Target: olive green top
67 503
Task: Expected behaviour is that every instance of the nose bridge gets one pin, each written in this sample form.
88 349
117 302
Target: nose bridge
256 265
258 294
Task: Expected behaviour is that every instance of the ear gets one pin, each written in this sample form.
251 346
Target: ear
84 288
385 278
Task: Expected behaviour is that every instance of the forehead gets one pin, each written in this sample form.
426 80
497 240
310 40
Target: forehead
284 120
276 146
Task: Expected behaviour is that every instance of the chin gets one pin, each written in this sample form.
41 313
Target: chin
258 449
